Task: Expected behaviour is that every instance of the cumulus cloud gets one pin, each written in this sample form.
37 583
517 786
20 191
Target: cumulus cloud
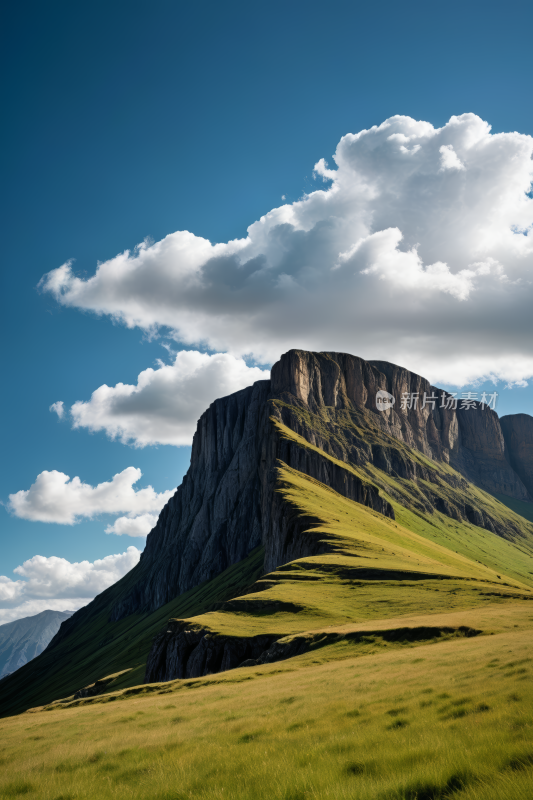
449 158
419 250
165 404
58 408
133 526
59 584
405 270
55 497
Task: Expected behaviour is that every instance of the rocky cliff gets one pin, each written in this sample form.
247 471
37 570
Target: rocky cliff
470 439
214 518
228 503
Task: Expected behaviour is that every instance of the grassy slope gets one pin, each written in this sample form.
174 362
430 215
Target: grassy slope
366 721
341 425
380 566
100 648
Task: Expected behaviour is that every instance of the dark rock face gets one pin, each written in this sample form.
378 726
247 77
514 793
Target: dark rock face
214 519
96 688
481 456
470 440
227 503
518 434
181 653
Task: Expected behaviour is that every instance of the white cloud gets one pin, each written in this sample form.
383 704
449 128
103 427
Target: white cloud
321 170
59 584
134 526
449 158
384 262
405 270
54 497
58 408
165 404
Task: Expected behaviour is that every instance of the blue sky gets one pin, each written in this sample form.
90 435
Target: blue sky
128 120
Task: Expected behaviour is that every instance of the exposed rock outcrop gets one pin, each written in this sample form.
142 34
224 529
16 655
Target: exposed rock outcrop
181 653
214 518
470 439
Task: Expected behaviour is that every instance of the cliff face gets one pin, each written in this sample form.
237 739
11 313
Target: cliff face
518 434
214 518
179 653
228 503
470 440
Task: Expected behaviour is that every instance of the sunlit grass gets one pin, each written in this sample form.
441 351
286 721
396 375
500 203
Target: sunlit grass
376 568
417 722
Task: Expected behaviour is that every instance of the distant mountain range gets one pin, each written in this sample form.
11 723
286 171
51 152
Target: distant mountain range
23 639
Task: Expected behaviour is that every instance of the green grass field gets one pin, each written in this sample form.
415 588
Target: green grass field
519 506
450 718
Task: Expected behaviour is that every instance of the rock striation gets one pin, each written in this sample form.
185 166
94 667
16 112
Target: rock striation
214 518
228 503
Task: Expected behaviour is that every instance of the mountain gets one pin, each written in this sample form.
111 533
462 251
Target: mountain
307 506
226 504
23 639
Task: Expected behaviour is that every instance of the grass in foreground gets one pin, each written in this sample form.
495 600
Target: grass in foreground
416 723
